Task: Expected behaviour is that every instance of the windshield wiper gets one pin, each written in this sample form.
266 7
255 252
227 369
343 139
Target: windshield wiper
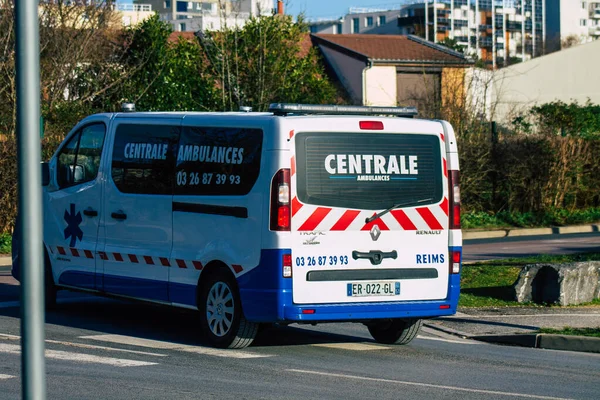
379 215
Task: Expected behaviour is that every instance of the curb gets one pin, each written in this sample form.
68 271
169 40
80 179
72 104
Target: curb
535 340
502 233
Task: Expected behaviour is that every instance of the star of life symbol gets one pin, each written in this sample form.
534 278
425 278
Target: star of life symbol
375 232
73 230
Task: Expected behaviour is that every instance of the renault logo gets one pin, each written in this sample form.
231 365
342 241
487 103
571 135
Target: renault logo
375 233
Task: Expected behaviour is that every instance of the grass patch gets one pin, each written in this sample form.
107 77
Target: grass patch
489 284
5 243
593 332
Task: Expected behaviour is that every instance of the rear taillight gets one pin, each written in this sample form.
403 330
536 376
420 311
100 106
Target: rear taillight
455 256
280 201
286 263
454 203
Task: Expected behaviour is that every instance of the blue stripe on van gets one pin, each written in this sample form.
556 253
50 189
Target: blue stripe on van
120 285
264 291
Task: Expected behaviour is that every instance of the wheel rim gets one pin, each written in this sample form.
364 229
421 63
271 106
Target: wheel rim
219 309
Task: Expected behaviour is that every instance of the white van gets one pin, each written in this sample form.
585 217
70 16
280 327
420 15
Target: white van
303 214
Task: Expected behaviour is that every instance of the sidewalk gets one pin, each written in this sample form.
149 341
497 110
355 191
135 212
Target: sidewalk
512 232
519 326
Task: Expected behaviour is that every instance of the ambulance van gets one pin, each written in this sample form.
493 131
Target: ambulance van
303 214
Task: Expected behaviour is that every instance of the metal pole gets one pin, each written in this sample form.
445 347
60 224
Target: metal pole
469 29
435 21
426 19
523 30
452 19
477 22
30 200
504 39
533 28
493 35
543 27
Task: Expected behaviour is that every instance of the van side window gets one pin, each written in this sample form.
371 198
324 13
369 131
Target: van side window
217 161
79 159
143 158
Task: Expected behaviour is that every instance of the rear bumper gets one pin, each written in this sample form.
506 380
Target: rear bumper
269 304
370 311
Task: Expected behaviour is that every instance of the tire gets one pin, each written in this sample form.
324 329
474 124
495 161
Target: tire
50 289
221 314
397 331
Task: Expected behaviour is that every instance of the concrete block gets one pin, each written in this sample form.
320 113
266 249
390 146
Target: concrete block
566 284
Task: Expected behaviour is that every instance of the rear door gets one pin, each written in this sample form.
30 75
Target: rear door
346 246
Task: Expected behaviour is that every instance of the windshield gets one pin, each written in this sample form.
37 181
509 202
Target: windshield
368 171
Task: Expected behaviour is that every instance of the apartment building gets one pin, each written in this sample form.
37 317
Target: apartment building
499 32
373 20
200 15
572 19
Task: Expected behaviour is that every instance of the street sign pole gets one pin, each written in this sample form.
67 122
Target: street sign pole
31 253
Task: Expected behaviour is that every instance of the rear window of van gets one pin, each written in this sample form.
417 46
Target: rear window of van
368 171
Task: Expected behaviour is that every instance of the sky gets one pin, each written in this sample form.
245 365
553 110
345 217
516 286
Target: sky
331 8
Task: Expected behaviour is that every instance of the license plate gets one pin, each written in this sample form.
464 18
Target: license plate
373 289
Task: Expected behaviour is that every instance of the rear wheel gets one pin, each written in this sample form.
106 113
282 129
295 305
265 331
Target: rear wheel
221 314
396 331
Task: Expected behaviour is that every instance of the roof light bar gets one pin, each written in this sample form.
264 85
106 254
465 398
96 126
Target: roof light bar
288 108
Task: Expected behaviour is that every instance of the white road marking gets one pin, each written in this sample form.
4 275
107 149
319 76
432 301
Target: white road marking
469 342
78 357
85 346
91 346
159 344
2 376
457 388
9 337
351 346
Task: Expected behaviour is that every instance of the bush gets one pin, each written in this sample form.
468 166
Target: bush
5 243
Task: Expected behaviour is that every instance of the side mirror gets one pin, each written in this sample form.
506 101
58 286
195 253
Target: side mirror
45 174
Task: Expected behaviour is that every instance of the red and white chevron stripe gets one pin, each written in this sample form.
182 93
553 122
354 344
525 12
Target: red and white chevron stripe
134 258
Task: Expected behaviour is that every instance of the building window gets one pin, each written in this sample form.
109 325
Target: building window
369 21
339 29
583 22
381 20
313 29
167 3
181 6
182 27
583 5
355 25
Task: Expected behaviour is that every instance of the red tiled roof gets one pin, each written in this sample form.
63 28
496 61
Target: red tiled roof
392 48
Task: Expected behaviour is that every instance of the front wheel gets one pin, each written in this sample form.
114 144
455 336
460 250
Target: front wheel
396 331
221 314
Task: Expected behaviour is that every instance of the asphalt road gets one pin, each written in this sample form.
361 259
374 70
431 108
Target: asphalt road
107 349
521 246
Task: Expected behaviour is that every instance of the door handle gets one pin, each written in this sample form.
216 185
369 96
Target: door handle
120 215
90 212
375 256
